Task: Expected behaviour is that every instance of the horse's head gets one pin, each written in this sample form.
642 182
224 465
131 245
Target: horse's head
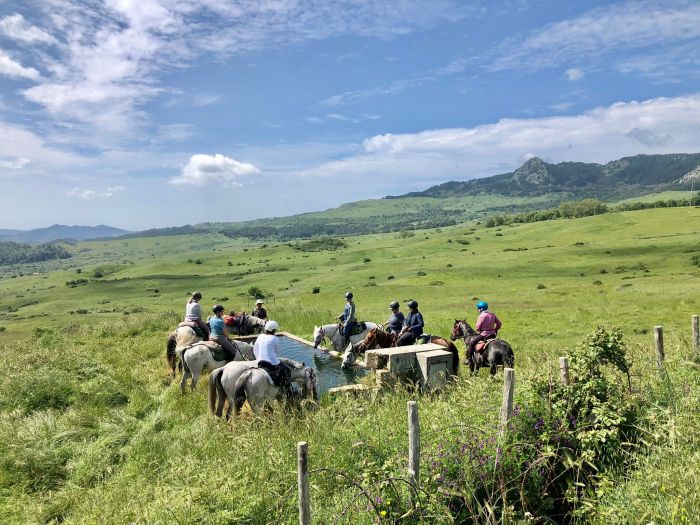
460 329
349 357
319 334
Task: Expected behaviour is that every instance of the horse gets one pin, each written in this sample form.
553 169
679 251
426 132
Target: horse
240 381
497 352
180 337
377 338
334 333
199 356
247 325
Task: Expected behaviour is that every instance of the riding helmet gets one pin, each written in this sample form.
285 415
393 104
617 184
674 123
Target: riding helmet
393 304
217 308
271 326
482 305
412 304
349 295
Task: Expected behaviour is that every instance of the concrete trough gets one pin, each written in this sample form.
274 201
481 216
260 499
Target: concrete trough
400 361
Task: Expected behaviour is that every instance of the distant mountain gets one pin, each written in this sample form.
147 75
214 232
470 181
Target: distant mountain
60 231
626 177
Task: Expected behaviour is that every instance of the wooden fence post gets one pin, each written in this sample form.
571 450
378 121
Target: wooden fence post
303 483
508 387
564 370
696 334
659 343
413 443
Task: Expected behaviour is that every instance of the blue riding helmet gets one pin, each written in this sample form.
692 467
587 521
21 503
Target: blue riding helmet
348 295
482 305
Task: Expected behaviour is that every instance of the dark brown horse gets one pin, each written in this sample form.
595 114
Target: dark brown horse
497 352
377 338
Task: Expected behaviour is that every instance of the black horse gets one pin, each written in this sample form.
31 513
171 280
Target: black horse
498 352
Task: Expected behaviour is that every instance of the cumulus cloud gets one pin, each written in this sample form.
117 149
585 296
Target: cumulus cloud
13 69
574 74
87 194
17 28
202 170
397 163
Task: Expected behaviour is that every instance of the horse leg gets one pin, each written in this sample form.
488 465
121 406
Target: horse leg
185 376
195 378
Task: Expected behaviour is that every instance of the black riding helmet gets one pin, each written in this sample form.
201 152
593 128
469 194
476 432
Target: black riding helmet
217 308
412 304
393 304
348 295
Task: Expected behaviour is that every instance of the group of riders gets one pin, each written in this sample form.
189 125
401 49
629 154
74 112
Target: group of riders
410 329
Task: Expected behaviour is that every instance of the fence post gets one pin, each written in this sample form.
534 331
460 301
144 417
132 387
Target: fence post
413 443
564 370
659 343
303 483
508 386
696 334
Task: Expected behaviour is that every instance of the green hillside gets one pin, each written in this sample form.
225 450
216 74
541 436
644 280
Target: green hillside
91 431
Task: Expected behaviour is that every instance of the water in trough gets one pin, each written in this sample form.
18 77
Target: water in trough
327 368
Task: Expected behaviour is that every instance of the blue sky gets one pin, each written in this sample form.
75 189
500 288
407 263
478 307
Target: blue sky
149 113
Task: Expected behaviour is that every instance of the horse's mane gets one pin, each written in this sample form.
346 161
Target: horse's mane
292 363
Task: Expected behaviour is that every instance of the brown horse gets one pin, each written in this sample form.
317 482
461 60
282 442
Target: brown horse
497 352
377 338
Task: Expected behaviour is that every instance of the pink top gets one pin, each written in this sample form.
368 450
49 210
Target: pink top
488 324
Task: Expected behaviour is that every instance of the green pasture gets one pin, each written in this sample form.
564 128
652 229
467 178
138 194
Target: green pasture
92 431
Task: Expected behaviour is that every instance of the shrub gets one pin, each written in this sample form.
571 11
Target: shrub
597 282
256 293
370 283
389 278
405 234
695 260
449 265
316 289
541 286
420 274
603 271
366 260
2 328
229 263
76 282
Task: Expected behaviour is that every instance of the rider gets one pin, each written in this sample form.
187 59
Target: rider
395 322
412 325
487 327
193 313
265 350
348 318
259 311
219 331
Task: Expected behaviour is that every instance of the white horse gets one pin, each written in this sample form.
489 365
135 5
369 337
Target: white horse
240 381
181 337
334 334
199 356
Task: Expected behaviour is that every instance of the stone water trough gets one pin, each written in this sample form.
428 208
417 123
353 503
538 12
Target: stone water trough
428 364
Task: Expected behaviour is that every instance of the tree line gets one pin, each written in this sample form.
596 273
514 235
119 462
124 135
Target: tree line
19 253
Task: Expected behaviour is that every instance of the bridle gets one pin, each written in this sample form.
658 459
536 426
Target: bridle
322 334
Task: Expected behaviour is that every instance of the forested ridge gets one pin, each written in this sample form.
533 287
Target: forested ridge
17 253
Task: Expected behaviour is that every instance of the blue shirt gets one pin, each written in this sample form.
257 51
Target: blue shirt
415 323
348 315
217 327
395 322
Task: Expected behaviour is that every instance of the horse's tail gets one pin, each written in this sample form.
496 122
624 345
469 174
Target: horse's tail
510 357
181 354
214 388
452 348
170 350
239 394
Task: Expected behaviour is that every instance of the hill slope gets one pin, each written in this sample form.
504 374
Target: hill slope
61 231
626 177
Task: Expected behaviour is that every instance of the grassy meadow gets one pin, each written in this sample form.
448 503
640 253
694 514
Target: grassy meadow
91 430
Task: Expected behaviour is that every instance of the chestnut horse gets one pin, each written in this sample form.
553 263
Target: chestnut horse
497 351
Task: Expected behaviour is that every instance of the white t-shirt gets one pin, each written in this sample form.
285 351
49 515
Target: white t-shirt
192 311
265 348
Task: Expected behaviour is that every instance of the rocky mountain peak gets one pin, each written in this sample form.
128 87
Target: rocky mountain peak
533 171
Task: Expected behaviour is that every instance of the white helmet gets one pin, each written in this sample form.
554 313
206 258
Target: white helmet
271 326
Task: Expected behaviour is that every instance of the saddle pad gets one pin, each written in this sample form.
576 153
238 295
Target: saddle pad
358 328
481 345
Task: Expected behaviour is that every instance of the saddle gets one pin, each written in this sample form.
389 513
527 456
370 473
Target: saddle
280 375
197 330
357 328
217 352
234 320
482 345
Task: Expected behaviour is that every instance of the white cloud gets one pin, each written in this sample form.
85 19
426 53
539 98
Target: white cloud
397 163
14 163
93 194
17 28
202 170
574 74
205 99
600 32
13 69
